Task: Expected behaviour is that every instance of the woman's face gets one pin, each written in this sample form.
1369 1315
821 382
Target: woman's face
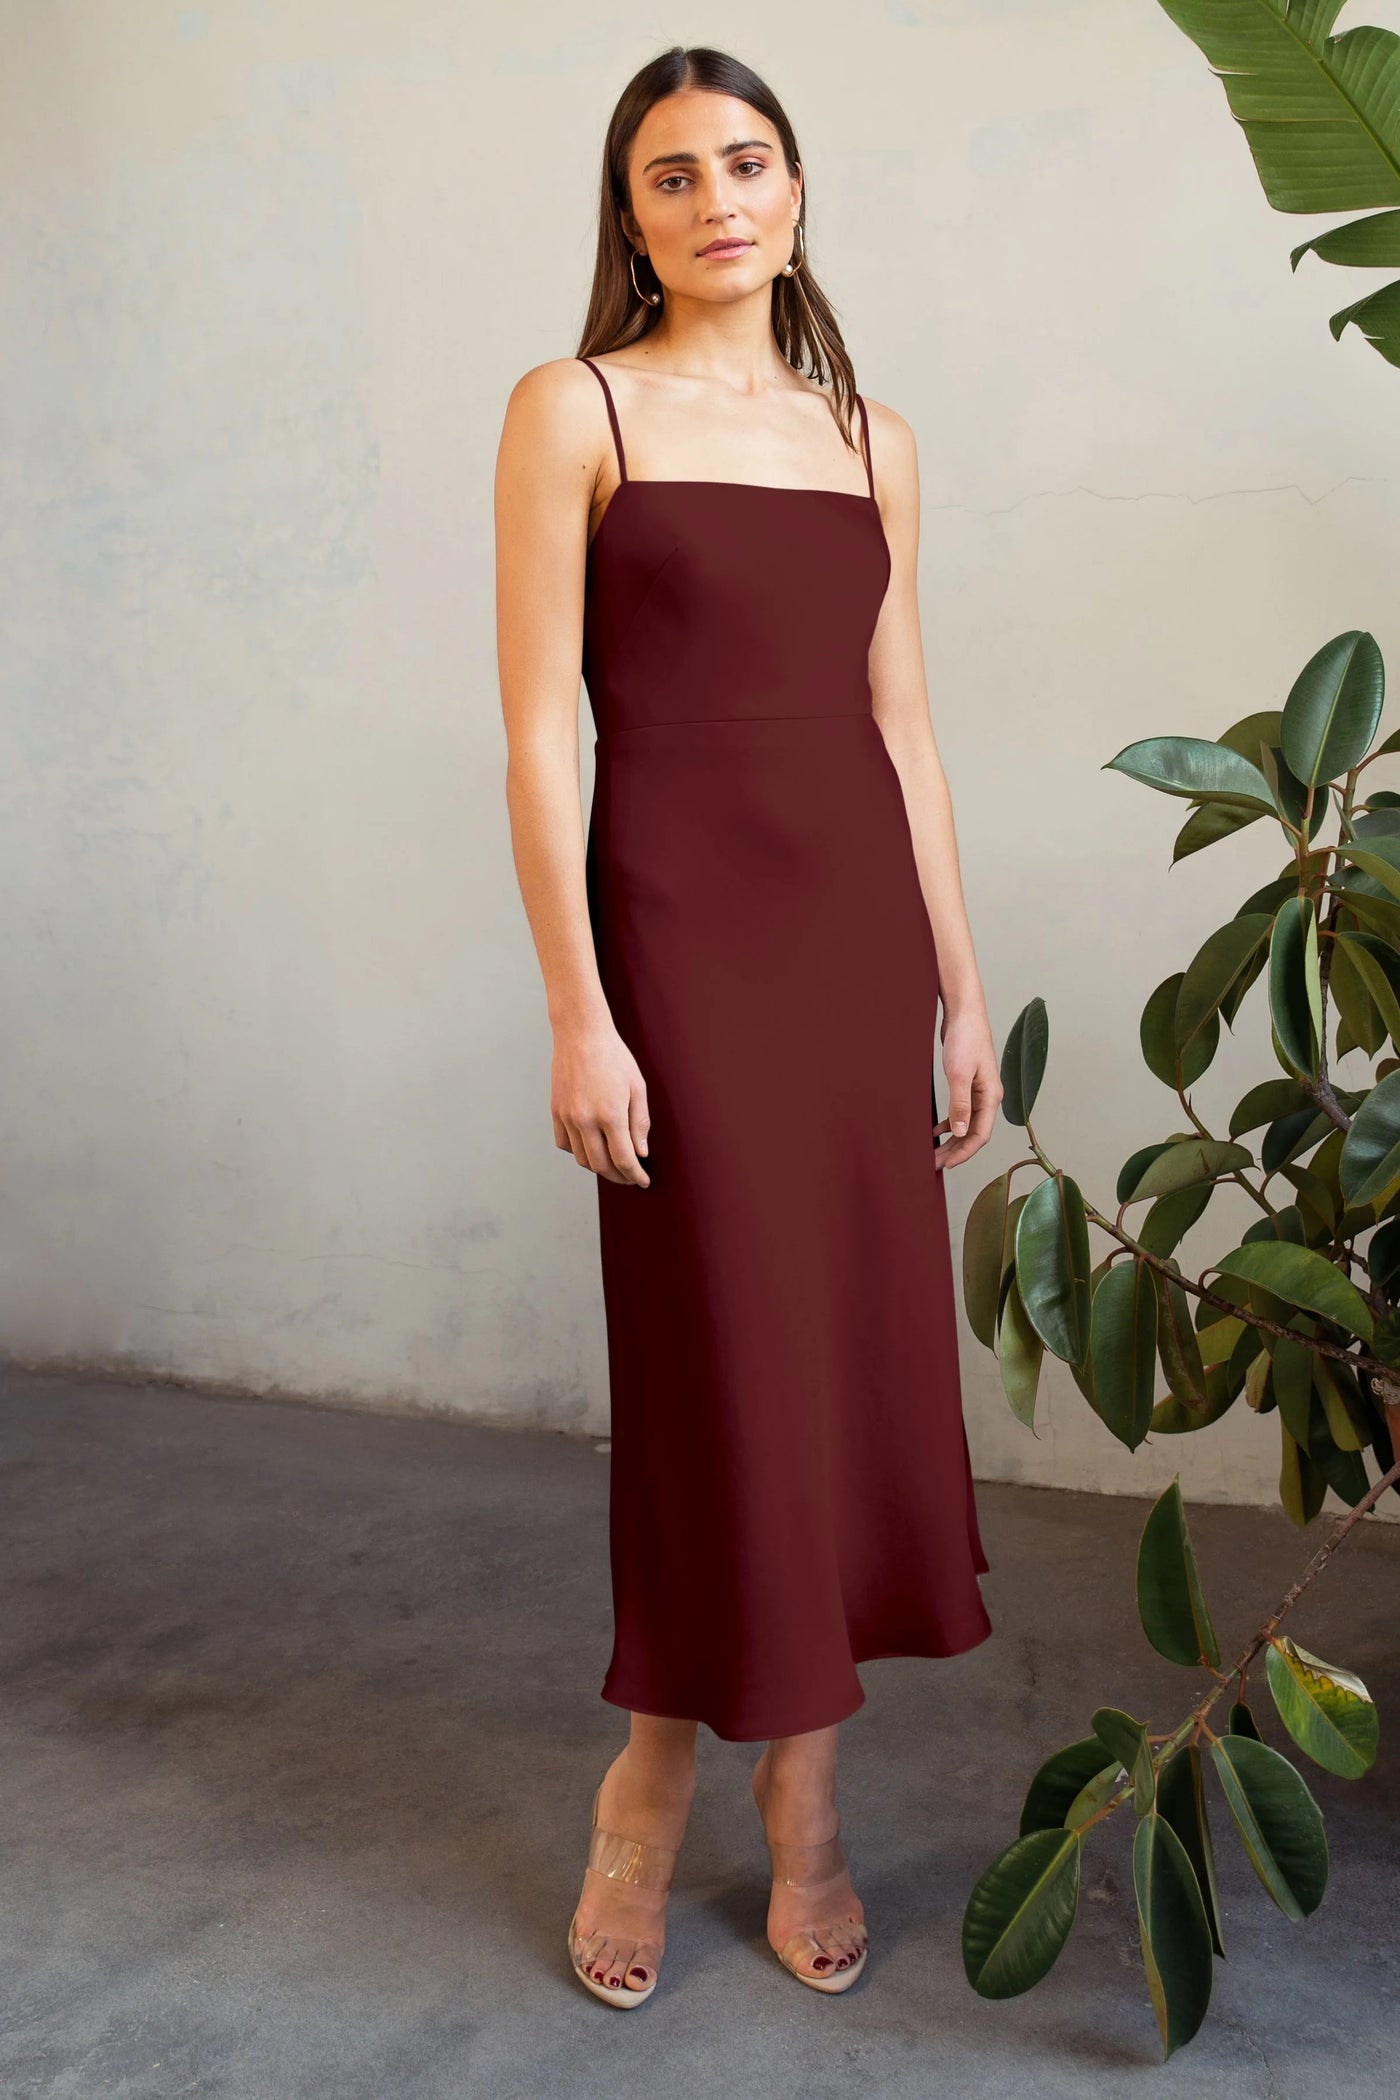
707 169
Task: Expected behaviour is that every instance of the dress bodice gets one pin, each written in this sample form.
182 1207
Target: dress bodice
730 600
717 599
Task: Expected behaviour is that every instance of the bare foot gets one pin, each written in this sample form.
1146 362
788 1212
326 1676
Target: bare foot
825 1917
620 1932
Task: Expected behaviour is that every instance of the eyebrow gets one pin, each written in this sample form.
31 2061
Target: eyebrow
734 146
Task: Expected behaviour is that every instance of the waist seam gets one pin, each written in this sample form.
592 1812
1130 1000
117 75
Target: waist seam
845 714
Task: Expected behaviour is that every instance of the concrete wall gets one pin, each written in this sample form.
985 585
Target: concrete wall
275 1083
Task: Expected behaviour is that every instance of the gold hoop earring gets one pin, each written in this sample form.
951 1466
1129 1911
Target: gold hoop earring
650 298
794 264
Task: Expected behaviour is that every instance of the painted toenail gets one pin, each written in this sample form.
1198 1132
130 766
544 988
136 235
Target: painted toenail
823 1961
638 1972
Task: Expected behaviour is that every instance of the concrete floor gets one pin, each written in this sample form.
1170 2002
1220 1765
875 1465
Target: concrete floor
301 1724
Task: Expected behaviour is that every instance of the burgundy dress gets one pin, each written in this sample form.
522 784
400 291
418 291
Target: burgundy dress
790 1490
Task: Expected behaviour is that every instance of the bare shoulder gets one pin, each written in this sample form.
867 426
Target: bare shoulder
554 438
555 397
891 438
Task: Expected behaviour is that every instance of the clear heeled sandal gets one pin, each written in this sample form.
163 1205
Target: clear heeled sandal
834 1933
645 1865
838 1937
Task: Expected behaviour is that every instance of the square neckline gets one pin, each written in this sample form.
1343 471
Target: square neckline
768 488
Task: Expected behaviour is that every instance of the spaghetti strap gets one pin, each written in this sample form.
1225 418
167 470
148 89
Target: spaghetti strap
865 429
612 416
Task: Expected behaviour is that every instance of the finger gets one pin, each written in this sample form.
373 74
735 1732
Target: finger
576 1144
984 1120
640 1120
561 1133
624 1158
596 1148
959 1106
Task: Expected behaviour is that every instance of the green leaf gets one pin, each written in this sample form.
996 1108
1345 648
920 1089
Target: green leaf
1193 767
1378 967
1293 1384
1019 1354
1332 713
1370 1162
1343 1471
1377 857
1381 915
1185 1161
1302 1486
1181 1799
1370 243
1178 1344
1175 1933
1316 110
1124 1350
1360 1017
1376 314
1157 1035
1059 1780
1328 1712
1052 1266
1218 968
1279 1823
1171 1602
1019 1914
1267 1102
1171 1218
1023 1061
1171 1417
1303 1277
1126 1739
1242 1721
1258 1384
1217 1333
1136 1165
1295 987
1094 1795
986 1252
1342 1405
1209 824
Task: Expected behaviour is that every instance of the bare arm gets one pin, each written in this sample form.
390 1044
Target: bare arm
547 472
900 696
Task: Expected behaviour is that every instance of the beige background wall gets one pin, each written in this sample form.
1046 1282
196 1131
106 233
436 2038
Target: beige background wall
275 1077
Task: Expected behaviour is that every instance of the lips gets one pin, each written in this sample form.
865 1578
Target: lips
726 247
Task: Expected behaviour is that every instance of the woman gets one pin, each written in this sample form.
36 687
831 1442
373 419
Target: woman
743 961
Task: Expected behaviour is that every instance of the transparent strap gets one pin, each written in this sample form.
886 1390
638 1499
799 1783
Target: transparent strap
645 1865
813 1867
800 1866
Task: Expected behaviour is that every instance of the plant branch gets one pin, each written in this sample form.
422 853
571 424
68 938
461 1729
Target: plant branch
1196 1718
1200 1290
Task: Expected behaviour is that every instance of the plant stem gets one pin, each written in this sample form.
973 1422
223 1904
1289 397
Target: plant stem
1196 1718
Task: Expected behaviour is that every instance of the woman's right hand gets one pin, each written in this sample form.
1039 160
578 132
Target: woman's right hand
598 1099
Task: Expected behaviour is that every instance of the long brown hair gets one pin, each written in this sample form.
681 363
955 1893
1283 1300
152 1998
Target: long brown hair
804 323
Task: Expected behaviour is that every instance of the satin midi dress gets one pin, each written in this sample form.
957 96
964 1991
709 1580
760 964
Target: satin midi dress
790 1492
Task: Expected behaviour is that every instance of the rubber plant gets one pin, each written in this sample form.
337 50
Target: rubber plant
1301 1318
1299 1321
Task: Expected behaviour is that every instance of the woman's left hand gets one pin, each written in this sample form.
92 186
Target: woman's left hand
971 1068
